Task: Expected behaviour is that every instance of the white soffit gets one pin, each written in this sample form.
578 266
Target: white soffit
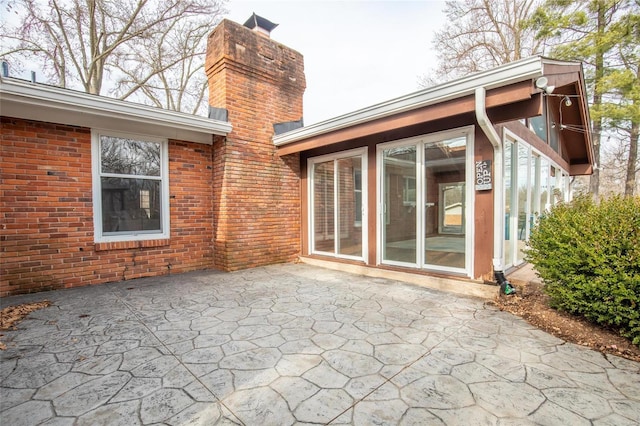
503 75
35 101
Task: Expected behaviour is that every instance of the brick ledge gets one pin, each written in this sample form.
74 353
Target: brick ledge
124 245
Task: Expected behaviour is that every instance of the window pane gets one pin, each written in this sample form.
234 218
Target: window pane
539 126
523 185
544 185
563 183
399 166
323 207
130 205
445 207
129 157
534 184
350 241
554 131
509 216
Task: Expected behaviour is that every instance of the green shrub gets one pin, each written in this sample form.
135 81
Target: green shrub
588 255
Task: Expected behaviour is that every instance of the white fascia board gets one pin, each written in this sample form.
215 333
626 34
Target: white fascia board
503 75
36 101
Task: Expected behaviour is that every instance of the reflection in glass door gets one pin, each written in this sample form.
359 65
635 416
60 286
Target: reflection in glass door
445 208
349 193
452 208
323 207
400 205
336 204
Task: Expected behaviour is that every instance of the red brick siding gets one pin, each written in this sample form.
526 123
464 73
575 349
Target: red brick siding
256 193
46 234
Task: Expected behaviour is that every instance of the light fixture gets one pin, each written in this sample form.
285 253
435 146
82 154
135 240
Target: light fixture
542 83
567 101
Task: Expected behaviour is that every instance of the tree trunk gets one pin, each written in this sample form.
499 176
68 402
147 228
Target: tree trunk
594 182
630 181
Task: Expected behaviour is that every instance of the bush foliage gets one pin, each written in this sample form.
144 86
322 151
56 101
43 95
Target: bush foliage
588 255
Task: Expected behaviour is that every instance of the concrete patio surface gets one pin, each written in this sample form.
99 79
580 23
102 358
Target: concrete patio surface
297 344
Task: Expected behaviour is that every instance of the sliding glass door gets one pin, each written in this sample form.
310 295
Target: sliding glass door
337 194
424 202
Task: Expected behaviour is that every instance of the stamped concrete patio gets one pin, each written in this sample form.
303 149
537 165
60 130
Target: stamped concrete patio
297 344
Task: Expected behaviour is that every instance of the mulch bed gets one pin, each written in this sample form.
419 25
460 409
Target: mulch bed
532 304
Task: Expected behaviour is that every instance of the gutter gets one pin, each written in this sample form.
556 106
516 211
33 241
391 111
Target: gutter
498 194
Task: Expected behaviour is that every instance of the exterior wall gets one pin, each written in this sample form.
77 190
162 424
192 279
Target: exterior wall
483 213
46 237
257 196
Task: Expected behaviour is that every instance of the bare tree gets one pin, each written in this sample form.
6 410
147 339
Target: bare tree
167 69
482 34
78 42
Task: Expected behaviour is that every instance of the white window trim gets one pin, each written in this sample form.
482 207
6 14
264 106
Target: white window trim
97 188
362 152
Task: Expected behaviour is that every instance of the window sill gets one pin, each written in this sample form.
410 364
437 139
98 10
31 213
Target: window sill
124 245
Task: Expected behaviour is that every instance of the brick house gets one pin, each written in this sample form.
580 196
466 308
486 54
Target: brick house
446 181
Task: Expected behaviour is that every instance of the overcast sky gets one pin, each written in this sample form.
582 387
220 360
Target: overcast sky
356 53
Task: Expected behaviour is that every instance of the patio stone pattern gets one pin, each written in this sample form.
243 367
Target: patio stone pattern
296 344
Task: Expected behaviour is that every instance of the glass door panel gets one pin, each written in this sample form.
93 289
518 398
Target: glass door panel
523 202
399 201
544 185
349 193
336 199
323 207
444 195
534 188
510 220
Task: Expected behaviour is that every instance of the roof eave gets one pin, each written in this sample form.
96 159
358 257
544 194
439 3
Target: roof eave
513 72
31 100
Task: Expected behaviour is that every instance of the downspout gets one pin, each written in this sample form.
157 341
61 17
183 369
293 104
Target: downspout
498 190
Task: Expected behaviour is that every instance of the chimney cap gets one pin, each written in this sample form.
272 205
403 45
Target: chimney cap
260 24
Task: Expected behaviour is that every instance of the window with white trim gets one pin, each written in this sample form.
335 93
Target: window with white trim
130 187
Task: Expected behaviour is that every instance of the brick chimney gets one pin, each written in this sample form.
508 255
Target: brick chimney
260 83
